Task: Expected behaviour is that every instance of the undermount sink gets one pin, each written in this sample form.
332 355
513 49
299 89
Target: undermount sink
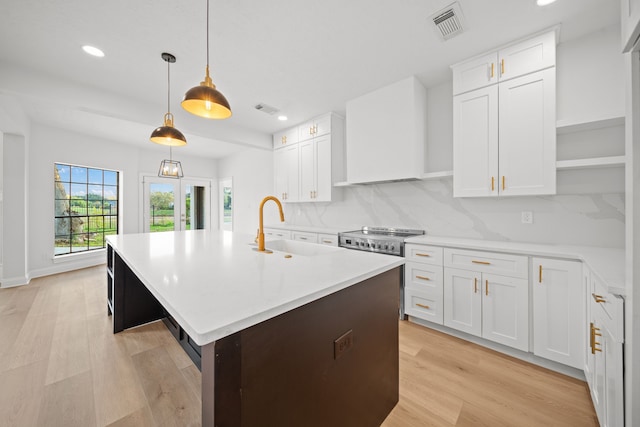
294 247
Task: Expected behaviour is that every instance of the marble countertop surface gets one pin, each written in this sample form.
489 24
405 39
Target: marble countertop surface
607 263
215 284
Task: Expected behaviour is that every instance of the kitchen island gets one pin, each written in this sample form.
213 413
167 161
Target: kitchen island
306 335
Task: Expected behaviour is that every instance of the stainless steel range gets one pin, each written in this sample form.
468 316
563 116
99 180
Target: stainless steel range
389 241
382 240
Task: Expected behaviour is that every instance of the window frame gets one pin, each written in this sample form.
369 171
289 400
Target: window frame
70 194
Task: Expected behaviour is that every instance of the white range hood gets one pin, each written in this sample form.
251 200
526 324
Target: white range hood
386 134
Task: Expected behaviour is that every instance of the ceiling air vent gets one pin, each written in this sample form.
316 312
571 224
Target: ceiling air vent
448 21
266 108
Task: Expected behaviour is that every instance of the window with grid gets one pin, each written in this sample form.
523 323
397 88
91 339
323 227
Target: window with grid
86 208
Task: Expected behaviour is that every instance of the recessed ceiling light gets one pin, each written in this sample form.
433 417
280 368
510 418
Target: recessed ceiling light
93 51
282 118
544 2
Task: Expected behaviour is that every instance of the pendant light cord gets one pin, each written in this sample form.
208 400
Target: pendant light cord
168 87
207 33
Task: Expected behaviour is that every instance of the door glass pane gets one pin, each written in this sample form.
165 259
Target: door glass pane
226 187
161 209
187 207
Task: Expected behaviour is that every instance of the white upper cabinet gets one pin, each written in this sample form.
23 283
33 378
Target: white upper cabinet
285 162
534 54
504 133
285 138
315 128
476 73
306 170
386 133
475 143
630 23
527 134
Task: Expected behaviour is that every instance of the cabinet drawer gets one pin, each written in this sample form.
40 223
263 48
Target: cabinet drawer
304 237
487 262
275 234
609 308
423 254
328 239
425 277
423 305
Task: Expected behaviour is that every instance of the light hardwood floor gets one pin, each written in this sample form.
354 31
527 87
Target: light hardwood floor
60 365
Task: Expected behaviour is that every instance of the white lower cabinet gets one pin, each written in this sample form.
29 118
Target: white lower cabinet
423 282
276 234
487 305
605 357
487 294
304 236
328 239
558 310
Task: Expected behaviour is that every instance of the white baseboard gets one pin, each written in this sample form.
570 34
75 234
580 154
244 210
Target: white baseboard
68 266
10 282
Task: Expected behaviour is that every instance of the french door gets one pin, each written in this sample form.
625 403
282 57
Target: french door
175 205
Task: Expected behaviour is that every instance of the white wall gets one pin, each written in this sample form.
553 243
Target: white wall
50 145
252 173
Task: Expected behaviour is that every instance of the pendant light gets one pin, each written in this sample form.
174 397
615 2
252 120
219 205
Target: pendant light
205 100
167 134
170 168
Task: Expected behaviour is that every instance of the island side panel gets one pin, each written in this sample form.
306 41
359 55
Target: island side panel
290 374
133 304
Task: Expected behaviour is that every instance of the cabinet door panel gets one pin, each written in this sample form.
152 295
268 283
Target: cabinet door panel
475 143
463 301
505 310
322 125
558 311
527 153
280 173
322 169
307 172
291 167
528 56
475 74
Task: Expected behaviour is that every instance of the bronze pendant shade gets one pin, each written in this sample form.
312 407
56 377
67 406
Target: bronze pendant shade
205 100
167 134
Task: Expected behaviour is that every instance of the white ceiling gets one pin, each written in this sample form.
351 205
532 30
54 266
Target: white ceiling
303 57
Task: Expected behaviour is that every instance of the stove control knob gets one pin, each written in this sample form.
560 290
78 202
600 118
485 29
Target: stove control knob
392 248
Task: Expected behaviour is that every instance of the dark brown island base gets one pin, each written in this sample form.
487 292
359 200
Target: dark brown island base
331 362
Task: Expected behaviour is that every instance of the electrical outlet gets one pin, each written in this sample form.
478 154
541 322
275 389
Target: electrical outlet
527 217
342 344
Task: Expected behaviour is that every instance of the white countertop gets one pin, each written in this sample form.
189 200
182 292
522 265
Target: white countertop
214 284
607 263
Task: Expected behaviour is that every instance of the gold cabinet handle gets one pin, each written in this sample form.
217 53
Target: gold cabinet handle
421 254
594 343
486 287
540 274
503 182
598 298
475 285
480 262
502 67
422 278
311 194
327 241
492 66
423 306
493 183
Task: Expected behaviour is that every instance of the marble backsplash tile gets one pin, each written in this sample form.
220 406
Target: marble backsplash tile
583 219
